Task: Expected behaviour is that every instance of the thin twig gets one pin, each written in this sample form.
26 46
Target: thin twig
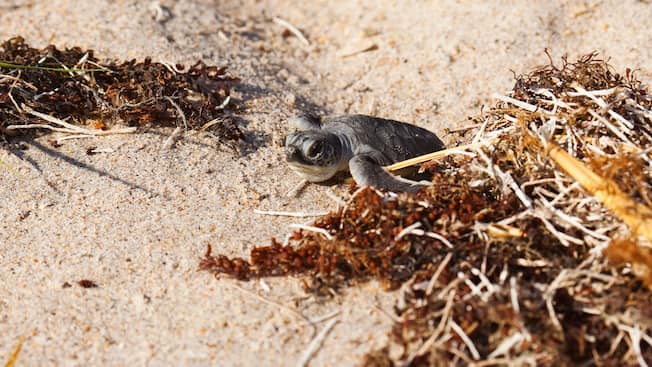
15 79
7 65
296 189
335 198
465 338
70 127
413 230
328 316
436 333
169 142
312 229
290 214
294 30
16 352
430 156
179 111
41 126
507 344
407 230
273 303
435 276
520 104
316 343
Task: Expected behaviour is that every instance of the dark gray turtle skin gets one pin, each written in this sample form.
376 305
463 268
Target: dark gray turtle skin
359 144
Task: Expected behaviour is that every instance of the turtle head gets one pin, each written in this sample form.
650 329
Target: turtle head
314 154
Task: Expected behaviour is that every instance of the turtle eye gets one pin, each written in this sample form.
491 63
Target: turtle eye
315 149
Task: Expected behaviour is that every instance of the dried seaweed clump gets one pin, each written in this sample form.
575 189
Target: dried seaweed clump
374 237
501 261
73 85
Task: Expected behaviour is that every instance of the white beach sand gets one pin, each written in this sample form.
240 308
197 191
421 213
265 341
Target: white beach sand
137 220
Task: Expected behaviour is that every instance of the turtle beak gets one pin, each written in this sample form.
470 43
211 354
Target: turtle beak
293 154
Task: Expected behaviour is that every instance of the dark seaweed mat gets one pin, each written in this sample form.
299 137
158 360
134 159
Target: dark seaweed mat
365 247
136 93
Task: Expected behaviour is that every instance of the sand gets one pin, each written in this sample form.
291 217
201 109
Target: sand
136 220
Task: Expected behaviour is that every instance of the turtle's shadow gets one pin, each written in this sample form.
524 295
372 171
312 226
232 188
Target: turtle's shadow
302 104
278 88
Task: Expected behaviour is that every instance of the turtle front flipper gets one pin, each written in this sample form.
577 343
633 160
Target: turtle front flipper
368 171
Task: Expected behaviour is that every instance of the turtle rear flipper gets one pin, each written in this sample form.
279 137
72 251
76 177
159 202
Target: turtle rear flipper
367 171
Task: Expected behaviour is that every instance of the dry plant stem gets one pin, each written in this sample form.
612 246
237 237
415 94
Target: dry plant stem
102 150
480 134
169 142
99 67
328 316
17 80
563 238
5 65
626 124
637 216
340 203
568 277
179 111
224 103
371 47
507 344
503 231
428 344
520 104
14 355
296 189
413 229
274 303
216 121
313 229
464 128
573 221
612 128
505 179
435 276
42 126
525 360
295 31
430 156
556 284
388 314
465 338
75 136
635 337
66 127
13 101
407 230
51 119
316 343
486 283
289 214
513 294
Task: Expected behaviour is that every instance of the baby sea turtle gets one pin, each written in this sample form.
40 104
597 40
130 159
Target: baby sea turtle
359 144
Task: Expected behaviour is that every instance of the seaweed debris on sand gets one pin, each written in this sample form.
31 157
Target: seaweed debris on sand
66 90
532 247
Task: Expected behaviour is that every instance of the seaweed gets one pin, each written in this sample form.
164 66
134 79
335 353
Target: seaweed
531 247
72 85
